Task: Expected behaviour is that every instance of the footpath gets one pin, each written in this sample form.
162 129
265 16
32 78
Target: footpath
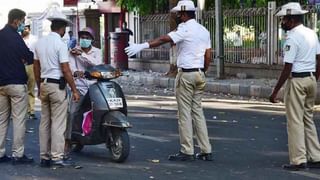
231 86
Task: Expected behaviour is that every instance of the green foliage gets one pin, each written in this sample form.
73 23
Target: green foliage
235 4
144 6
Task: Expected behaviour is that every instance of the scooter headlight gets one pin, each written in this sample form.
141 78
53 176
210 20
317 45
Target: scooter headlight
106 75
96 75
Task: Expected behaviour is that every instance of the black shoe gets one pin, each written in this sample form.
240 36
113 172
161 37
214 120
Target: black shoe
204 156
62 163
5 158
181 157
22 160
45 163
313 164
293 167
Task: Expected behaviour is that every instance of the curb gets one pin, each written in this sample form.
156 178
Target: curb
212 87
236 89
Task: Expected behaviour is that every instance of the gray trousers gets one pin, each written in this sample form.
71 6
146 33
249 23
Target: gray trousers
73 109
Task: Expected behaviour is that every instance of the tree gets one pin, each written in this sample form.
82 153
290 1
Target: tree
144 7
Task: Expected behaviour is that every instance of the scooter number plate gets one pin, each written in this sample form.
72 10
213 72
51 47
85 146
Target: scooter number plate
115 103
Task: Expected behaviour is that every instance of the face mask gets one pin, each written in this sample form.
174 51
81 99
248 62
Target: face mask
178 19
285 27
20 27
85 43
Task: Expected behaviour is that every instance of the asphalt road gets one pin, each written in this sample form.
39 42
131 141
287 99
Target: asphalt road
249 142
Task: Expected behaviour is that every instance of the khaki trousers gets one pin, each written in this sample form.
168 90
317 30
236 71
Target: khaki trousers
53 122
189 88
303 143
31 85
13 101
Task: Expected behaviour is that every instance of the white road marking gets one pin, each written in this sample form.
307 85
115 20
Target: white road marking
307 174
152 138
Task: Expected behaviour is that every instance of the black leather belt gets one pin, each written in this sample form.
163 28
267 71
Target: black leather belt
302 74
49 80
192 69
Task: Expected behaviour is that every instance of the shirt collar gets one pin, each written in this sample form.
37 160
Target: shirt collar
55 34
296 28
190 21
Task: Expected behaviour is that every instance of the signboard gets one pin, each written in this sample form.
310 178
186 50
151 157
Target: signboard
108 7
70 2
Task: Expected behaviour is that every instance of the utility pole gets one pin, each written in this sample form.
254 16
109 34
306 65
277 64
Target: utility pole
173 59
219 51
173 25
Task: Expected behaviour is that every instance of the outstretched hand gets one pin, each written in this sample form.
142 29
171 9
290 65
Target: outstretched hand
133 49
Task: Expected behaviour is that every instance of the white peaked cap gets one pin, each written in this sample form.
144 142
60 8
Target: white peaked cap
58 15
292 8
184 5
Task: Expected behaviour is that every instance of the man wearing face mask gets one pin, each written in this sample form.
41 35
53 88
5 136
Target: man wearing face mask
14 54
52 71
30 41
193 58
301 71
81 58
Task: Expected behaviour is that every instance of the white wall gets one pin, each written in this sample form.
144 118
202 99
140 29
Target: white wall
28 6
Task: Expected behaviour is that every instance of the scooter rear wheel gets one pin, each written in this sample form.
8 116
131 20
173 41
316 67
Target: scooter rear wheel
120 147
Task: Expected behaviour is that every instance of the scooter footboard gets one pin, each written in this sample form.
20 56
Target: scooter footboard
116 119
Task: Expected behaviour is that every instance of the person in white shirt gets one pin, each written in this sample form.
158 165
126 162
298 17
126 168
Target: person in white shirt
193 58
237 43
30 41
301 71
81 57
51 68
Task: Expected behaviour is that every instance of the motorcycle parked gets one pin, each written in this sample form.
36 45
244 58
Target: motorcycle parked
108 106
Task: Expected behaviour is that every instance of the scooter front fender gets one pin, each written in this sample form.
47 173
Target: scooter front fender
116 119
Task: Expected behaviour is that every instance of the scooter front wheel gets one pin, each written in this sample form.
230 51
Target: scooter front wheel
120 146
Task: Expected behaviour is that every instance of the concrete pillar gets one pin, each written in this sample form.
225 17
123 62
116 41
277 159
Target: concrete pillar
272 33
93 20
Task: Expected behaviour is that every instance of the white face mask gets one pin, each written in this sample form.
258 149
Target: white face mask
85 43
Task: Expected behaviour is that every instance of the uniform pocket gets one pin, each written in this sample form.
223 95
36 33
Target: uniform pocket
200 80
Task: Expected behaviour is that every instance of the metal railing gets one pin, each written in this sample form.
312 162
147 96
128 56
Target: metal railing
245 34
151 27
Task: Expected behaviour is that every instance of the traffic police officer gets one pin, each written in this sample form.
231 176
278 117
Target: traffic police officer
301 70
194 55
51 68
